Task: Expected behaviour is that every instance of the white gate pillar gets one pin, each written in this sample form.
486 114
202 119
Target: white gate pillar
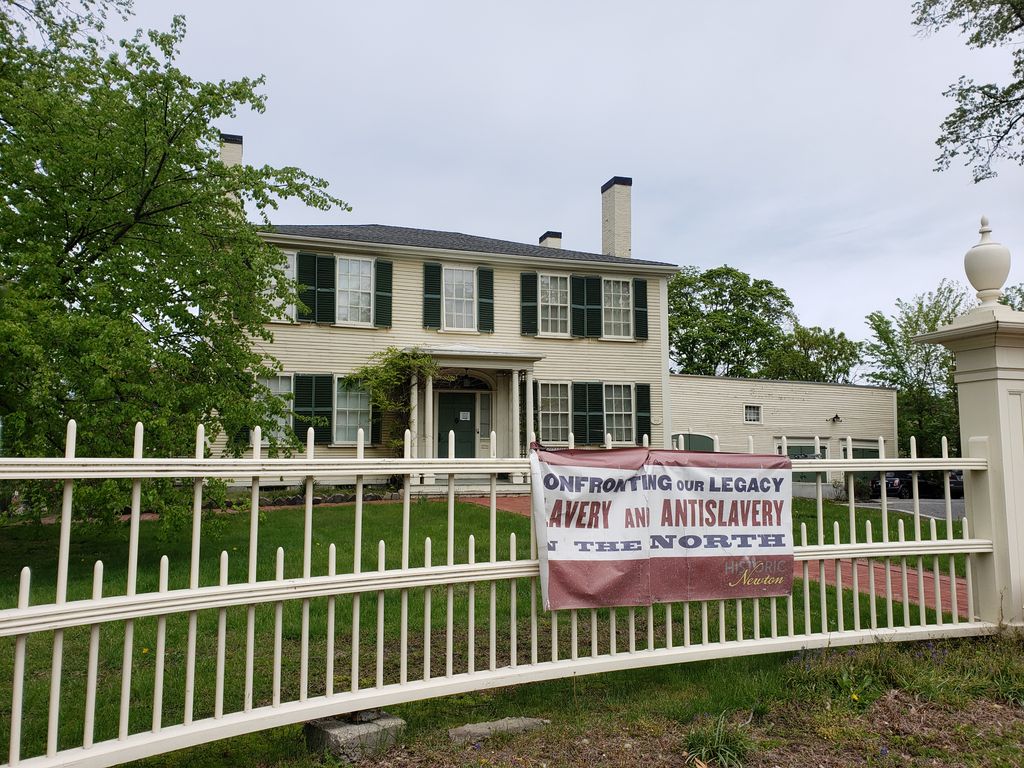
988 343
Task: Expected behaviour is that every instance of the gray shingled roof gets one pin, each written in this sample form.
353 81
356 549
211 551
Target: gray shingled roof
450 241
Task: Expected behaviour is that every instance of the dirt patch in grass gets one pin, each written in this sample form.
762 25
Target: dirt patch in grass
897 730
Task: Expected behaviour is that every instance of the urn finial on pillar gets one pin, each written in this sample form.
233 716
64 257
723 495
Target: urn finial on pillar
987 265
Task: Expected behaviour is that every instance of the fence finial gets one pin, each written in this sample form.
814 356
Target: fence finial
987 265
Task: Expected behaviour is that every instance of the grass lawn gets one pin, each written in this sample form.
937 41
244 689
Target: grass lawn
659 702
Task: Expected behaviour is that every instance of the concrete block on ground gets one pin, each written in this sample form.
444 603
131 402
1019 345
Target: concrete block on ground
352 741
479 731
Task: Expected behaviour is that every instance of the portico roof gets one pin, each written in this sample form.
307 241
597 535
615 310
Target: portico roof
463 355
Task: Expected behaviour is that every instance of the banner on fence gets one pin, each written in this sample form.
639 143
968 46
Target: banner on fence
634 526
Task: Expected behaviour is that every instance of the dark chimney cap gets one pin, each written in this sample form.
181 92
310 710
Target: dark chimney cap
550 233
230 138
625 181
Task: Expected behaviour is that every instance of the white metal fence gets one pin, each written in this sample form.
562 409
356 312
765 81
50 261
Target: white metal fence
169 658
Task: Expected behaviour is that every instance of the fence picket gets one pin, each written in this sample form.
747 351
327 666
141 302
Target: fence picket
250 612
193 579
222 626
471 612
903 577
89 729
307 571
161 647
18 681
63 555
332 569
871 578
278 619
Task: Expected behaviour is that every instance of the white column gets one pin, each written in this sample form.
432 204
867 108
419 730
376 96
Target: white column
428 427
414 426
514 452
989 346
530 405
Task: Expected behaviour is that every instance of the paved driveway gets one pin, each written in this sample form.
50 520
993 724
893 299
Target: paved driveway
929 507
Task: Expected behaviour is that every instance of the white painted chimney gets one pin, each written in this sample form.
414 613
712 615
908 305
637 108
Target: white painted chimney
551 239
616 217
230 149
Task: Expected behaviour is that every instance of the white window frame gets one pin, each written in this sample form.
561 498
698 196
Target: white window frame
568 307
367 428
481 434
475 302
289 274
540 399
289 423
632 407
605 309
338 258
760 413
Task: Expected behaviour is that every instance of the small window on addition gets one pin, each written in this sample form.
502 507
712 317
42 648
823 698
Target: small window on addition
751 414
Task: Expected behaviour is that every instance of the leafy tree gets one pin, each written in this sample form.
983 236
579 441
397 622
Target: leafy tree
1013 297
132 286
923 373
987 123
815 354
724 323
387 377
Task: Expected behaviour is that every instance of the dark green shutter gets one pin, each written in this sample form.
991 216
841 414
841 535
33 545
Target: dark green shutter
302 406
313 398
643 412
485 299
305 266
639 308
593 302
325 298
528 303
579 412
382 271
431 295
588 412
376 431
578 305
595 401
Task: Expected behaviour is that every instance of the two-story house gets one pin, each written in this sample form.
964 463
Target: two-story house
578 340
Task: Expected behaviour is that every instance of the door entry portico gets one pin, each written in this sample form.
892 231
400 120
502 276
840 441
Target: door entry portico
456 411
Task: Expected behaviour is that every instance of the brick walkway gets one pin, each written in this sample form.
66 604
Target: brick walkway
520 504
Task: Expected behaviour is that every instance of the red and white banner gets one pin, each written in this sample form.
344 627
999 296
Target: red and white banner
634 526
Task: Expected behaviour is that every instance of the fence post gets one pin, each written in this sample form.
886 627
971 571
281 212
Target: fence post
988 343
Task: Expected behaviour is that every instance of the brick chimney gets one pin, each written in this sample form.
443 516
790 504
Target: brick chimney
616 218
551 239
230 149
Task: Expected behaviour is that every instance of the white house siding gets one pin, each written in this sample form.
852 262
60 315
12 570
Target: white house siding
799 411
325 349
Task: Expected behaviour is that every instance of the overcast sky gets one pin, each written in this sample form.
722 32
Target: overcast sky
792 140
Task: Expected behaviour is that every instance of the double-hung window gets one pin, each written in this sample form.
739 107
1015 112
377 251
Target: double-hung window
279 386
618 412
351 412
346 290
553 295
459 299
355 290
618 309
555 413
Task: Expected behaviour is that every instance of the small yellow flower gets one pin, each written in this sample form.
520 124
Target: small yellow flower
145 650
855 697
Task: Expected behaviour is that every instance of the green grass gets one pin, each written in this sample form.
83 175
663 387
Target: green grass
679 692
